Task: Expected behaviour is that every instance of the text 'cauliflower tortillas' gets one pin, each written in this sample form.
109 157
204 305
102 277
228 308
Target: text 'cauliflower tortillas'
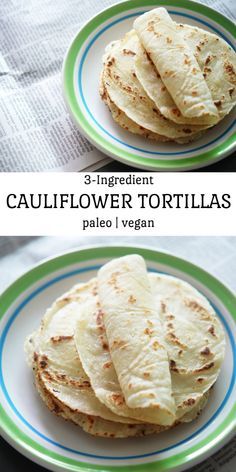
126 92
134 335
175 62
193 336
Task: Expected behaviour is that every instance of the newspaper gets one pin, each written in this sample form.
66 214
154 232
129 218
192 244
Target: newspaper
36 131
217 255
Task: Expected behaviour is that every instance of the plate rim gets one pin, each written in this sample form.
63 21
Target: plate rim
38 453
181 164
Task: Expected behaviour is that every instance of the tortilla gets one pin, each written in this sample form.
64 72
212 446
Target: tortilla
134 336
175 63
130 353
126 123
217 62
91 424
60 368
127 93
193 337
91 343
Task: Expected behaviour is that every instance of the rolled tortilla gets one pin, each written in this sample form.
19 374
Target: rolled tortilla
175 63
134 335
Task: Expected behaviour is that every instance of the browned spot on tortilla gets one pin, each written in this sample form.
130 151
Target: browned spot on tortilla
205 367
187 130
173 366
84 384
90 419
168 40
150 395
208 59
163 88
56 408
187 60
146 375
169 73
176 112
134 75
118 399
171 337
231 91
212 331
206 352
107 365
35 356
229 69
43 362
128 52
195 306
180 352
189 402
200 379
65 299
111 62
132 299
194 93
105 346
60 376
170 325
118 343
58 339
170 317
148 331
218 103
155 345
163 307
99 320
207 70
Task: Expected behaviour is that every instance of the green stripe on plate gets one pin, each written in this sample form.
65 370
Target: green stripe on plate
205 158
44 456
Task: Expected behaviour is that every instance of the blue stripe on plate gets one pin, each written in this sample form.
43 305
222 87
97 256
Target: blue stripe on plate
80 71
51 441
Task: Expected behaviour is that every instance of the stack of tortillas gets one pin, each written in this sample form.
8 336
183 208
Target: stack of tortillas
168 81
128 353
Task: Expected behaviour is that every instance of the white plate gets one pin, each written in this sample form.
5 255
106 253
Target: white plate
81 72
50 441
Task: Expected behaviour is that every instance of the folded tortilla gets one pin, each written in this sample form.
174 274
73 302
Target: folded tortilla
126 92
217 62
134 336
91 343
53 350
175 63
